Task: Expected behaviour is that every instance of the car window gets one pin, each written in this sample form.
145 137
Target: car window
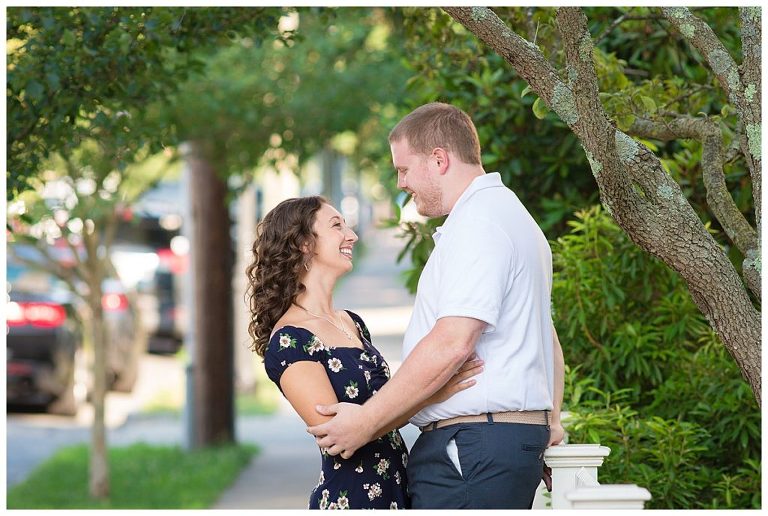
25 278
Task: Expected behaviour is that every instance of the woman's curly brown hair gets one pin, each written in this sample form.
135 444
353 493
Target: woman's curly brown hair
278 264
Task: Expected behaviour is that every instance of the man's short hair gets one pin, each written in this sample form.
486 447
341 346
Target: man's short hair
439 125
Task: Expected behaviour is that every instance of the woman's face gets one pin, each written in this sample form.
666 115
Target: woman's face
334 241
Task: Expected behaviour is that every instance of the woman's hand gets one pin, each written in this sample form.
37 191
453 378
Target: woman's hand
459 381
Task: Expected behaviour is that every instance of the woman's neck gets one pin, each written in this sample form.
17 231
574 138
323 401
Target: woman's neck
317 297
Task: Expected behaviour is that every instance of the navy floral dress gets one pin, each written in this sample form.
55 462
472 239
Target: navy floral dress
374 477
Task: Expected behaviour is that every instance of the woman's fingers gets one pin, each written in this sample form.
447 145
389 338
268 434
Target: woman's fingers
470 364
468 373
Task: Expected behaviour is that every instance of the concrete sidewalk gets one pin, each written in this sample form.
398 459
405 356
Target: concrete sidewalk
288 467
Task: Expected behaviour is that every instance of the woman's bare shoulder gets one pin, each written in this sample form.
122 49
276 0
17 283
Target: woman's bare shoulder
293 318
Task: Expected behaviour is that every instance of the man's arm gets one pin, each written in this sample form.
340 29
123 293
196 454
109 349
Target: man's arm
461 381
434 360
556 432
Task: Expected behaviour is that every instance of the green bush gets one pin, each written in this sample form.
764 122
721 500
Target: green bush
651 379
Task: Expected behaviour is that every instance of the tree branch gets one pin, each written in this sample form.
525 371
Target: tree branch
745 100
524 56
621 19
751 71
701 36
719 199
52 266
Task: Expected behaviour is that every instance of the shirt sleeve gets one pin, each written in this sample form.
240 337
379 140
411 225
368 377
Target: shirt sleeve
290 345
475 272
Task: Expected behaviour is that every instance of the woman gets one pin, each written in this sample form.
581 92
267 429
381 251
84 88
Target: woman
319 356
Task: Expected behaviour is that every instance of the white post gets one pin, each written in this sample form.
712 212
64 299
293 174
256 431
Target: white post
567 461
612 496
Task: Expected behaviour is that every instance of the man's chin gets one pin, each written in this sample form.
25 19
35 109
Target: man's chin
427 213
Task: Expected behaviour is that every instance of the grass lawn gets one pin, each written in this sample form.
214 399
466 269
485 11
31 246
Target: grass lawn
141 477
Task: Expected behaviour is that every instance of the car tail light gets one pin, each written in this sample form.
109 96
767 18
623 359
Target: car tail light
114 302
41 315
14 314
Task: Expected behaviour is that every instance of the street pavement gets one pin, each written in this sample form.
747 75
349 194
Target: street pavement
282 475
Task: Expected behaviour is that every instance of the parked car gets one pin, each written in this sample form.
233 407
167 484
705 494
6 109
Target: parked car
124 343
124 347
166 333
43 343
155 275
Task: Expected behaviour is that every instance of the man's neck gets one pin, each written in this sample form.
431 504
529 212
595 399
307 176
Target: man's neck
462 180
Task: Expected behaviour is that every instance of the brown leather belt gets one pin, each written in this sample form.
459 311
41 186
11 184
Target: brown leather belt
526 417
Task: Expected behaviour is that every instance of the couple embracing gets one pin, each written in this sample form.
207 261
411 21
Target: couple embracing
482 375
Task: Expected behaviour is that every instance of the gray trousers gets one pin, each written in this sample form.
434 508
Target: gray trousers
501 466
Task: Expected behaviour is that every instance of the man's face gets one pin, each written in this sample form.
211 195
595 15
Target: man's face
416 177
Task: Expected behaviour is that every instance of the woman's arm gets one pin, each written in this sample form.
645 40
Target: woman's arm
306 385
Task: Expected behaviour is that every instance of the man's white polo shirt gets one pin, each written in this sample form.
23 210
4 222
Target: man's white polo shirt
493 263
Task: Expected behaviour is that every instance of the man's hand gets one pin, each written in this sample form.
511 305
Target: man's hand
345 433
556 433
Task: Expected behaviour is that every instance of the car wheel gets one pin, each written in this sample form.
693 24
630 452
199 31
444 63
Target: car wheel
66 404
125 381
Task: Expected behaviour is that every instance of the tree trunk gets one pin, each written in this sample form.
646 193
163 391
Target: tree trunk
212 248
99 461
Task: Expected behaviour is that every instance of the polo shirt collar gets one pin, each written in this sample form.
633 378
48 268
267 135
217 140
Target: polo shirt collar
489 180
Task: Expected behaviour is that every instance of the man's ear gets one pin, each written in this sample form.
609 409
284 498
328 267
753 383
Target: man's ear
441 159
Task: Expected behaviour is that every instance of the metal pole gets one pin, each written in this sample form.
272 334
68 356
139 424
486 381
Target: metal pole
189 305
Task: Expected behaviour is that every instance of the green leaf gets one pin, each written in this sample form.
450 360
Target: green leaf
625 121
526 91
68 38
34 90
649 104
53 80
540 108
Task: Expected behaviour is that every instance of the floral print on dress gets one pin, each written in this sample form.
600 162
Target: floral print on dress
335 365
375 476
286 341
314 346
351 390
395 439
342 502
381 468
374 491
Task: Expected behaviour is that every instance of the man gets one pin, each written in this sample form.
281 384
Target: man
486 290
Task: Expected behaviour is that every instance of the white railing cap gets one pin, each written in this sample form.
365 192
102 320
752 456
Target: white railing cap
575 455
609 492
577 450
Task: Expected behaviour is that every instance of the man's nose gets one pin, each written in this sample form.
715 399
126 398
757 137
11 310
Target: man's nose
401 181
